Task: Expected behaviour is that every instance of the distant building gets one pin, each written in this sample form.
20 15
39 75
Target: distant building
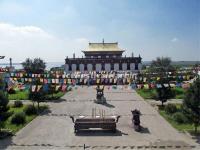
103 56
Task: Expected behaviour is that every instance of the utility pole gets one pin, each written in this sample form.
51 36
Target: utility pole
2 57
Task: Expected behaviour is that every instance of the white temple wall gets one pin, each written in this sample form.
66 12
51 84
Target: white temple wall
116 67
73 67
98 67
124 66
89 67
81 67
107 67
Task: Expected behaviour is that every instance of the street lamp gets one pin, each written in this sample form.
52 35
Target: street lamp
2 57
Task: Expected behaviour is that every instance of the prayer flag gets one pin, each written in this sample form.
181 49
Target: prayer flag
172 85
64 88
39 87
45 87
53 80
158 85
57 81
45 81
146 86
33 88
98 81
57 87
41 80
166 85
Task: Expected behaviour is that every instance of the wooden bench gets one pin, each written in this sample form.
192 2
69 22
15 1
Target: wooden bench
108 123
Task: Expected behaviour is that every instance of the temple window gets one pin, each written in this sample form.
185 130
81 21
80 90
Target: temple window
70 67
136 66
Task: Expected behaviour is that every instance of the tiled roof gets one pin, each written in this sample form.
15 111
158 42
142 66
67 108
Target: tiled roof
103 47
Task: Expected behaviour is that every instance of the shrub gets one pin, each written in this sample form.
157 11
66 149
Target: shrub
30 110
18 118
170 108
11 91
180 117
4 116
18 104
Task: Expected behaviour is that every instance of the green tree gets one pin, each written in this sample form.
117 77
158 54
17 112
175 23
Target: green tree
162 66
3 103
34 66
27 65
38 95
163 93
191 103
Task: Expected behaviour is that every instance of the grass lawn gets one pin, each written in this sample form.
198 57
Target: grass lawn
147 93
13 127
151 93
19 95
181 127
179 93
24 95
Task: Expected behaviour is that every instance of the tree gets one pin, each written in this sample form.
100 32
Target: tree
162 66
27 65
34 66
191 103
3 103
163 93
37 95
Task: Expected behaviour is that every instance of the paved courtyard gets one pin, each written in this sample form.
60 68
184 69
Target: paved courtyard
54 129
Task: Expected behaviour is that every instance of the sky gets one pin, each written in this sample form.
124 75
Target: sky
54 29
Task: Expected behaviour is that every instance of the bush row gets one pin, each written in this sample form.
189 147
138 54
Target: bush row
176 114
20 117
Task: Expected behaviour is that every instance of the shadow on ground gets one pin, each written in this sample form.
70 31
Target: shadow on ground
104 103
56 100
100 133
109 105
144 130
4 143
196 138
45 112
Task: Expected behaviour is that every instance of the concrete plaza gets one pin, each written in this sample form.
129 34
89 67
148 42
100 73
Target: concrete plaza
54 129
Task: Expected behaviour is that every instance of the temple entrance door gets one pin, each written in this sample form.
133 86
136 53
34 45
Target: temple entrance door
116 67
98 67
73 67
107 67
124 66
132 66
81 66
89 67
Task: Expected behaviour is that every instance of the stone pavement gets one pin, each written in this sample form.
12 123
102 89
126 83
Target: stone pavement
54 130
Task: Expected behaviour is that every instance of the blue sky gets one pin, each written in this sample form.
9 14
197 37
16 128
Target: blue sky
54 29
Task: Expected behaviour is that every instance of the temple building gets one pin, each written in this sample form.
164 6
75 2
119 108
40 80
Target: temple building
103 57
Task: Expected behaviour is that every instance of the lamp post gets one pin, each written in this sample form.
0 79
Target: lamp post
2 57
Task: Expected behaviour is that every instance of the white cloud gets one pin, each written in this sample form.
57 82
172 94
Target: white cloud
21 42
174 39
